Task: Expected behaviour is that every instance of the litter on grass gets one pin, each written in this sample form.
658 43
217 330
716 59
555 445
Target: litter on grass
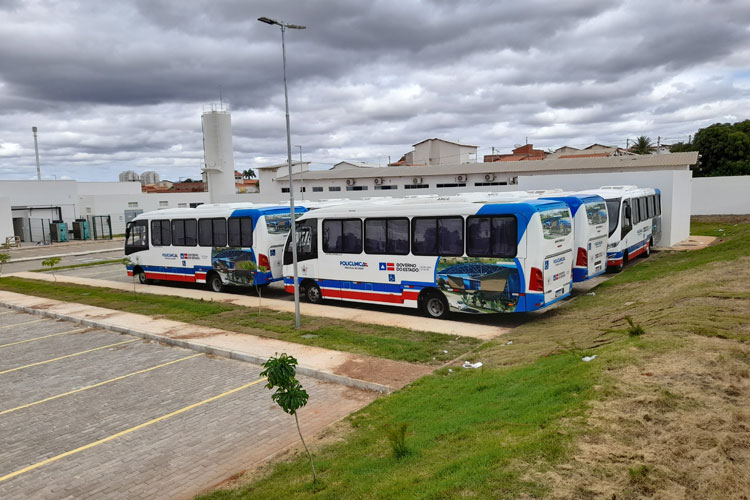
510 342
591 293
588 358
469 364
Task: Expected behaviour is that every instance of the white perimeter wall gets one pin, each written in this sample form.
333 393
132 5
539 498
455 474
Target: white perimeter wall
6 221
675 189
721 195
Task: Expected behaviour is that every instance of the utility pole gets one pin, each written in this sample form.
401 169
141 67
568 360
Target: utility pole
627 143
36 150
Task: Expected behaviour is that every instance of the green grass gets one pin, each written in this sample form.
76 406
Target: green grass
74 266
399 344
469 433
732 244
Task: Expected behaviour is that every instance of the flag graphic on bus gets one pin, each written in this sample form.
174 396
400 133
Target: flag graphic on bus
387 266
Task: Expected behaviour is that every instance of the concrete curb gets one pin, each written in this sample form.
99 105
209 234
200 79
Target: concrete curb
206 349
42 257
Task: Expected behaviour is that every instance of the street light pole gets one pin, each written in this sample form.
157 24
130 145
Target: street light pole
283 27
301 174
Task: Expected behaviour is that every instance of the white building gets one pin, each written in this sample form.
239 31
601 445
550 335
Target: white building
149 177
129 176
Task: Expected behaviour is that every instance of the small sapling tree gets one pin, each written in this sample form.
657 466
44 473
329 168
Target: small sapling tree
52 262
4 258
253 269
290 396
127 263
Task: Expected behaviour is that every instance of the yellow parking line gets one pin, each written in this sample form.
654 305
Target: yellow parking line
21 324
98 384
44 337
66 356
126 431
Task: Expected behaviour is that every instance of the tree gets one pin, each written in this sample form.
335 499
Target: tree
682 147
643 146
290 396
724 149
52 262
4 258
248 174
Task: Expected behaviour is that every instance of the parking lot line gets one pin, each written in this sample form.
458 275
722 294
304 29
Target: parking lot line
43 337
21 324
127 431
66 356
98 384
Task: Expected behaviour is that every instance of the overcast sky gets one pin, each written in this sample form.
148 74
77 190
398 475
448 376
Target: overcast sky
121 85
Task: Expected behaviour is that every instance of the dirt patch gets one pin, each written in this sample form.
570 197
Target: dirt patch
391 373
676 426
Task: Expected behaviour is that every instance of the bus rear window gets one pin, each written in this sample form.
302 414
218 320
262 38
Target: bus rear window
280 223
556 223
596 213
613 210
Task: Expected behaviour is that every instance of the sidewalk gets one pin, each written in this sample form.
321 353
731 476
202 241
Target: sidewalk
457 328
69 248
354 370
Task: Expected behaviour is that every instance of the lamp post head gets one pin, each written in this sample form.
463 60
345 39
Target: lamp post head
268 21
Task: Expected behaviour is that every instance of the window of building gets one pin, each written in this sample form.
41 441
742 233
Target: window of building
212 232
240 232
342 236
497 183
387 236
302 189
356 188
163 203
317 189
184 232
416 186
132 204
389 186
182 205
437 236
334 188
491 236
452 185
161 234
284 190
88 210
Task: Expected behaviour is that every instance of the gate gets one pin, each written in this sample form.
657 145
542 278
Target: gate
101 227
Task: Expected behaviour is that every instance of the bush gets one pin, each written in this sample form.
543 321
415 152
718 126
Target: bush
397 436
634 329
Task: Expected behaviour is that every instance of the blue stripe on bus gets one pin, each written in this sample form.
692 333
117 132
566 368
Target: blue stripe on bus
580 274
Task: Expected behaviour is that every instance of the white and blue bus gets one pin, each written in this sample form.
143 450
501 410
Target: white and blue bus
590 227
634 222
209 244
435 254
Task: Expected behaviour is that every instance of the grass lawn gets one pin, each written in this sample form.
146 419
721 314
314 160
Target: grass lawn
509 430
75 266
399 344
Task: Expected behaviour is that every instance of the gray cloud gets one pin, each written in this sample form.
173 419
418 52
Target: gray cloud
116 86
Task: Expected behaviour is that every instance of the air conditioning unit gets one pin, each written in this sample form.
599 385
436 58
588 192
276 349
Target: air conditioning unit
461 178
378 181
351 182
416 180
489 177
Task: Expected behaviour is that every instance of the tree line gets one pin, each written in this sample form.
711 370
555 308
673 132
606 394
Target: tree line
724 149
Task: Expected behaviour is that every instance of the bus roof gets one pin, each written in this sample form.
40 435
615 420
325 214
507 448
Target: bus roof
575 200
219 210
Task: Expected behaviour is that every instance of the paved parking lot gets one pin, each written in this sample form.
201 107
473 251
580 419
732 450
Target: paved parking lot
88 413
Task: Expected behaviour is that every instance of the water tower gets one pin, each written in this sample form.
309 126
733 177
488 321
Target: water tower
218 155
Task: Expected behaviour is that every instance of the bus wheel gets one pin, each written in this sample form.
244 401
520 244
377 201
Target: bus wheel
647 251
312 292
215 284
435 305
142 279
618 267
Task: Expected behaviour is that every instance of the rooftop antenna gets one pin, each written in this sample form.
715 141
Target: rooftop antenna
36 150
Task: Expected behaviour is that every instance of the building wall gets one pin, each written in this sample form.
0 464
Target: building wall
721 195
675 189
6 220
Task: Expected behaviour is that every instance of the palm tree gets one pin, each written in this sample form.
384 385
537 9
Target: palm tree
643 146
248 174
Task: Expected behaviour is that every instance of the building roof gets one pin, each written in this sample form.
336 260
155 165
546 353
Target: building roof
279 165
443 140
656 162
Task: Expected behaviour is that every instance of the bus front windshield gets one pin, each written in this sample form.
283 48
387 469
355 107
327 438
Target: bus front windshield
613 210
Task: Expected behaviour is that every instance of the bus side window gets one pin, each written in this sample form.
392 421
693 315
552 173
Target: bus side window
658 204
191 232
437 236
642 208
626 215
160 233
651 211
635 217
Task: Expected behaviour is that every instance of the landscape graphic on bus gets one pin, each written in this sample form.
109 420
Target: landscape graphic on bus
235 266
556 223
479 285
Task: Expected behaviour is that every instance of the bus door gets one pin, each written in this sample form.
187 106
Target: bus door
307 249
557 226
276 260
597 230
655 208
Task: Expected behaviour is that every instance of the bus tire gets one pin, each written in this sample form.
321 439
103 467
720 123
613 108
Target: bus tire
647 251
619 267
214 283
141 274
435 305
312 292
